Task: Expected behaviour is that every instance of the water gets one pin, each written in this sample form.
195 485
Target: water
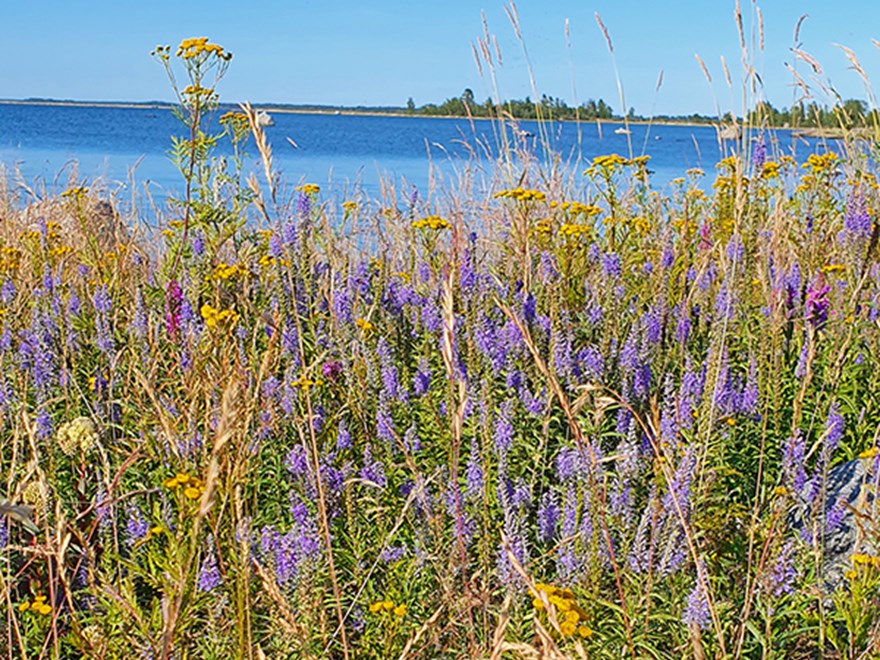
339 152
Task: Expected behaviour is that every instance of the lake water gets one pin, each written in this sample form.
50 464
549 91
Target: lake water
339 152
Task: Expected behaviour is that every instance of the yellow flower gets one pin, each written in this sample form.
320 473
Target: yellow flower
309 188
869 453
400 611
364 325
434 222
770 170
75 193
523 194
567 628
214 317
574 229
192 493
376 607
24 607
43 609
388 605
584 631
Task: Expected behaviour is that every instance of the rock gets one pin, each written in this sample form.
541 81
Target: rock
850 505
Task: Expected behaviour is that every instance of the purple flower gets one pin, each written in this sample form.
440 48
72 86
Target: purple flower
782 571
372 471
611 265
548 517
504 428
759 155
331 370
817 303
136 526
422 378
209 574
173 307
343 437
696 613
474 473
834 427
856 221
793 461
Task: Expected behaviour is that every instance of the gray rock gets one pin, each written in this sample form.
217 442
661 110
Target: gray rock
851 507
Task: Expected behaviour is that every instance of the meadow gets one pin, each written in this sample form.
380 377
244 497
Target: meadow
570 416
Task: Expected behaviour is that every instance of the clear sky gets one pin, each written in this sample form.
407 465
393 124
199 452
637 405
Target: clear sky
381 52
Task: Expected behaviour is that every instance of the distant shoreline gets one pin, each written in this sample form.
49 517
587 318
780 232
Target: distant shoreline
365 112
379 112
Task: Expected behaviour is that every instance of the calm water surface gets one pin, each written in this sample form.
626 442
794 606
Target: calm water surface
339 152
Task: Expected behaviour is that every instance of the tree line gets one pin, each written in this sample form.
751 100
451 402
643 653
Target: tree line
850 113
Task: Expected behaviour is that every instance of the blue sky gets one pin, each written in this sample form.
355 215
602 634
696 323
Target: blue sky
384 51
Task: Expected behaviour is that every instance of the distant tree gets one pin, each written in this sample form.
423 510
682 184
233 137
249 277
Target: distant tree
410 105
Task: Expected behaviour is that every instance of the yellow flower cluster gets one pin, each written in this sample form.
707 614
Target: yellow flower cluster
228 271
381 606
364 325
833 268
190 48
574 229
770 170
577 208
543 226
10 259
197 90
60 251
305 383
434 222
695 172
571 616
349 206
192 486
309 188
869 453
79 434
39 605
605 165
75 193
818 164
866 560
214 317
235 120
730 163
267 261
522 194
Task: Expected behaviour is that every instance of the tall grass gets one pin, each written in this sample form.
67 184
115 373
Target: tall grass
570 417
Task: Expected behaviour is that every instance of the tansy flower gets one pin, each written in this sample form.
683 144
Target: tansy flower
434 222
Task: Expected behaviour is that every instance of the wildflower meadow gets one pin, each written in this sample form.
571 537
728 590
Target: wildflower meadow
570 414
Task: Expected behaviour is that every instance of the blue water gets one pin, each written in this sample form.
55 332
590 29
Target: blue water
129 146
